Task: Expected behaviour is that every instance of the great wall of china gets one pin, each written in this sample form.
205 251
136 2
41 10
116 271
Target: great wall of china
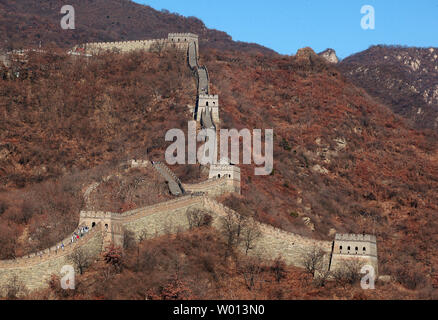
34 270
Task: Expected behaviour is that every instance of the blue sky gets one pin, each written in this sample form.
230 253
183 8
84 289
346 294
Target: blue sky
287 25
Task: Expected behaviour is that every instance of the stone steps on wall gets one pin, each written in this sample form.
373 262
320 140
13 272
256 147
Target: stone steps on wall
175 186
193 57
203 83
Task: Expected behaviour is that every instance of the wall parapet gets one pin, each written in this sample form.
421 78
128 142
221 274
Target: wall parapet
52 252
177 40
158 206
355 237
139 163
265 228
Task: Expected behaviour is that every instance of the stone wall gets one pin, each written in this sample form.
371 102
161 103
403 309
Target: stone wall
203 80
35 270
170 217
166 218
139 163
174 40
358 247
193 61
274 242
124 46
215 187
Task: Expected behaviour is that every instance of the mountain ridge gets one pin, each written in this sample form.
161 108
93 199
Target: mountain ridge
102 20
403 78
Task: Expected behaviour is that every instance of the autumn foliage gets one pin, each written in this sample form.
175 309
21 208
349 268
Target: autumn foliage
341 161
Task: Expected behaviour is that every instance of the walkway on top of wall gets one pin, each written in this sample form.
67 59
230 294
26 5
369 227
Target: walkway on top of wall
173 182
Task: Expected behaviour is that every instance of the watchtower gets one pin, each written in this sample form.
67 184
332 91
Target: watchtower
110 222
208 101
225 170
184 39
357 247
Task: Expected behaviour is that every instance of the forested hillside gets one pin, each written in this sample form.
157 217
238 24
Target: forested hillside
31 22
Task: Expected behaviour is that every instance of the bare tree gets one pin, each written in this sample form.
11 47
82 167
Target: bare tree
312 260
81 259
143 236
321 278
250 234
197 218
230 229
278 268
128 239
149 260
348 272
251 272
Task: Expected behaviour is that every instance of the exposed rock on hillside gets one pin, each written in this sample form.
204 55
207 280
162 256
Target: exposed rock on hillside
406 79
329 55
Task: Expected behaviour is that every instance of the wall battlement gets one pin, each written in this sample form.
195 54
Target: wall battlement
176 40
209 96
355 237
183 36
215 186
158 207
96 214
139 163
126 46
50 253
35 270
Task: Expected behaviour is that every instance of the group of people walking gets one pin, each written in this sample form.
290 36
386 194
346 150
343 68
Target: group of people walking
79 233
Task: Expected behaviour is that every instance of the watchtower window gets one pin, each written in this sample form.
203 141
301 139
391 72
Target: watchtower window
348 248
93 224
106 226
357 248
206 103
219 175
364 249
340 247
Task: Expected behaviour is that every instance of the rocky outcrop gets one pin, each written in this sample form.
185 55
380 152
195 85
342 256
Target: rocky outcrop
329 55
